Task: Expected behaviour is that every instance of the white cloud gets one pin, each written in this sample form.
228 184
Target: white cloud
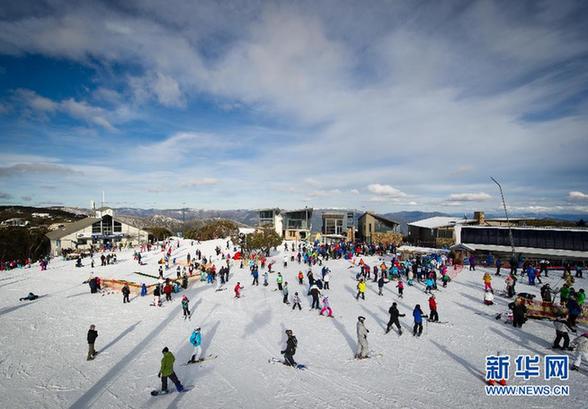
385 190
201 182
577 195
354 191
469 197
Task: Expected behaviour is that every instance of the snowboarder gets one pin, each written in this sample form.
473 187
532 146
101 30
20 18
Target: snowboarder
126 292
238 289
296 302
196 341
326 307
580 344
290 350
433 316
360 289
362 343
167 371
394 315
186 307
92 335
417 313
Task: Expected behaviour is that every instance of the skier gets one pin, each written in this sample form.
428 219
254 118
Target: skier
360 289
143 290
417 313
157 296
394 314
285 293
487 281
562 328
400 287
167 371
265 279
362 343
296 302
238 289
92 335
196 341
29 297
327 279
315 292
433 316
126 292
510 281
381 282
580 344
290 350
326 307
255 274
167 290
186 307
429 283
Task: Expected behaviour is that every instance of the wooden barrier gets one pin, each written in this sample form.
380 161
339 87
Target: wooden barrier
541 309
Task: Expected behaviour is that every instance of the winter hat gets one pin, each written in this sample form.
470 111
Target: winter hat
361 318
164 350
197 329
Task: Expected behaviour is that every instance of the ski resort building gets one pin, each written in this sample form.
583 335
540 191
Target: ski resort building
291 225
102 229
435 231
554 243
338 225
374 228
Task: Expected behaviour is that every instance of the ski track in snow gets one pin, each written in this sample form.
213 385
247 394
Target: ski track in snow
42 359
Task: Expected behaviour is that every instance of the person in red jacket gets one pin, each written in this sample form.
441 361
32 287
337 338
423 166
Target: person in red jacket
167 290
433 316
238 288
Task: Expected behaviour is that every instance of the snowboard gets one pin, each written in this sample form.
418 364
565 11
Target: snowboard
279 361
201 360
156 392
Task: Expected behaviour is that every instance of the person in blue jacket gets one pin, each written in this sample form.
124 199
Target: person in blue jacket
143 290
417 313
255 274
196 341
531 275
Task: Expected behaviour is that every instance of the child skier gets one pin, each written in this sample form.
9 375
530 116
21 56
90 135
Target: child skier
417 313
196 341
381 282
433 316
400 287
186 307
92 335
285 293
300 278
296 301
360 289
326 307
362 343
238 289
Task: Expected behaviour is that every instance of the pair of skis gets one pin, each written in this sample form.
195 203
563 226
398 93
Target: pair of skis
280 361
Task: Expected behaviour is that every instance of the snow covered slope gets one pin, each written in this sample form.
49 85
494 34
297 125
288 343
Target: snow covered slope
43 354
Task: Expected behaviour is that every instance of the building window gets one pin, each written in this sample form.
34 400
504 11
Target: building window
117 227
96 228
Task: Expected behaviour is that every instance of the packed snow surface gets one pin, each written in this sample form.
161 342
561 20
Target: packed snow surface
43 354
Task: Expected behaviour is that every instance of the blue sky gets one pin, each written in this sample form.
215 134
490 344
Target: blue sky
371 105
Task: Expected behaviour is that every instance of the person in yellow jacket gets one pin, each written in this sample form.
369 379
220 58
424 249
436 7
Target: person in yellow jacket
487 282
360 289
167 371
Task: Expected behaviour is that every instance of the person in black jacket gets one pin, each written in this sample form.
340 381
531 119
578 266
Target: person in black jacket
126 291
92 335
394 314
290 350
519 311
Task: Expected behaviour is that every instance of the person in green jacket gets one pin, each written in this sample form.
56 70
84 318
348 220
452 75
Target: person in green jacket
167 371
564 294
581 297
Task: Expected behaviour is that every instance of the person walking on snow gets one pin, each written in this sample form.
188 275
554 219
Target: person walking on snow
290 351
400 287
381 282
196 341
417 313
433 316
394 315
167 371
238 289
285 293
360 289
580 345
92 335
315 292
186 307
326 307
562 328
362 343
296 302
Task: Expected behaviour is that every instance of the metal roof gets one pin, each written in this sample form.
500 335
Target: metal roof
439 221
527 250
70 228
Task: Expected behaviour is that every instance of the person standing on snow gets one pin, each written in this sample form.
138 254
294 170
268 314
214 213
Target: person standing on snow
290 350
360 289
255 274
279 281
417 313
238 289
362 343
394 314
167 371
326 307
186 307
296 302
327 279
381 282
315 292
562 328
92 335
400 287
285 293
196 341
580 345
126 291
433 316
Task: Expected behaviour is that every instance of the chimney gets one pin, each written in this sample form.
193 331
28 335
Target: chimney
480 217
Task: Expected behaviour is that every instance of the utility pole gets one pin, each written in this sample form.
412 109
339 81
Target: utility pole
507 219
